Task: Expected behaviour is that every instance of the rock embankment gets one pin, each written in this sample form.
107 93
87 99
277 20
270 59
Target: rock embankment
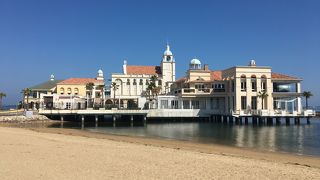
22 118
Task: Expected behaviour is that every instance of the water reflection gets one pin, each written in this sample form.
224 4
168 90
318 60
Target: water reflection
300 139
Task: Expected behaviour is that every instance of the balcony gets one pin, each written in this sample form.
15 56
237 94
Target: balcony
204 91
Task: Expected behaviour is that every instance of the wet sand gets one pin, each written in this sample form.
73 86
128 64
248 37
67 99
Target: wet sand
52 153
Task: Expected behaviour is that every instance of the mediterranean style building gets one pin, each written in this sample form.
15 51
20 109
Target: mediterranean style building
75 93
134 80
48 87
240 90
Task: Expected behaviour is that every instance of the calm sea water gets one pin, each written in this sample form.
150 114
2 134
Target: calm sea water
297 139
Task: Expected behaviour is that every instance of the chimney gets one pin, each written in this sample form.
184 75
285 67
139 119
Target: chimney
206 67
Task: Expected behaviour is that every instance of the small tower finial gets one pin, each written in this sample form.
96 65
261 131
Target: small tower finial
52 77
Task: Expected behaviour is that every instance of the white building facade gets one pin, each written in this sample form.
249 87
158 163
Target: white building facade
132 83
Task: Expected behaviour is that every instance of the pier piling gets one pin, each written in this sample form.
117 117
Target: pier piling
278 121
287 120
82 122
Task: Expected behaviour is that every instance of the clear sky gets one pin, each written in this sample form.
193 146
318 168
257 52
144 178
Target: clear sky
74 38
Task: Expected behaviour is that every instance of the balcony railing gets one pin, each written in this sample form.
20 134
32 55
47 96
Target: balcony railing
198 91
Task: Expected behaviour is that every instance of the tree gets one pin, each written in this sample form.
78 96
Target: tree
114 87
263 95
89 86
307 95
101 88
26 93
2 95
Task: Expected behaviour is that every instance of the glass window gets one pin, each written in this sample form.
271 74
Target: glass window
141 82
128 81
243 85
284 87
134 82
243 102
254 102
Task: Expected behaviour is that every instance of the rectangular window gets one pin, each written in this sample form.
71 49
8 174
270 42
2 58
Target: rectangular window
254 102
285 87
68 105
195 105
232 86
174 104
243 102
254 86
243 85
263 85
164 104
186 104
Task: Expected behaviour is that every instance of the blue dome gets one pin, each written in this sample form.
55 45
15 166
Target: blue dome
195 61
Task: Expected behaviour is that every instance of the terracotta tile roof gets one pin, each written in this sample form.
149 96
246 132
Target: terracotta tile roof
150 70
216 75
283 77
80 81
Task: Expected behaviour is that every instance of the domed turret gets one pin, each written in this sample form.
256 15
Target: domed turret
195 64
167 52
52 77
100 75
252 63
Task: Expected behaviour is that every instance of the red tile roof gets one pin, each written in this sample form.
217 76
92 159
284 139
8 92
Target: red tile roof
150 70
80 81
216 75
282 77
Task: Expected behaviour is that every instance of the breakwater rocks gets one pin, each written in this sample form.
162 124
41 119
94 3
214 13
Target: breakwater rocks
22 118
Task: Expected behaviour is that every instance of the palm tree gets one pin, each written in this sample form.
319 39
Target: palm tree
114 87
2 95
263 95
153 79
89 87
101 88
307 95
26 93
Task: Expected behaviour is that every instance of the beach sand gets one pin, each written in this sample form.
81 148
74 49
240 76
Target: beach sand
45 153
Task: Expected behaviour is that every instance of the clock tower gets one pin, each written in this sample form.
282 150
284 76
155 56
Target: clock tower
168 68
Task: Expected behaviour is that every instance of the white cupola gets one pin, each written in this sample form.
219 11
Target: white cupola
52 77
195 64
100 75
167 55
252 63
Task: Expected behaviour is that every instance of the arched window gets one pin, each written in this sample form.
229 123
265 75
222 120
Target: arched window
76 91
141 82
61 91
134 82
128 81
69 91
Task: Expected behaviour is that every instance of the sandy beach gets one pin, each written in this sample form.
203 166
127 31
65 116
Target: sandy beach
72 154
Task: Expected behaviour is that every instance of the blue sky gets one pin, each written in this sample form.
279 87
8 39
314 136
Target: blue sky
76 38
